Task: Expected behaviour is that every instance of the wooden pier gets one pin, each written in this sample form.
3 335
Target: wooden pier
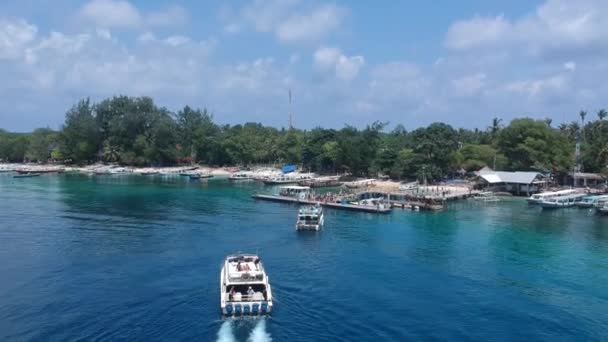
352 207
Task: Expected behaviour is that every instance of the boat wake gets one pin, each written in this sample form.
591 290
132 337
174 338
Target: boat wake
259 333
225 334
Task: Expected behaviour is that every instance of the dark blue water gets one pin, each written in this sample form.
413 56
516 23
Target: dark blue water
134 258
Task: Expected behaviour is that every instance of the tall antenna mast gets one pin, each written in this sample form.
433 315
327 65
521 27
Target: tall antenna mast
290 122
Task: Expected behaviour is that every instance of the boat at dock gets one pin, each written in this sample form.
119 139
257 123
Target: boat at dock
240 176
290 178
561 201
310 218
244 286
592 201
602 209
485 196
543 196
363 183
378 203
321 182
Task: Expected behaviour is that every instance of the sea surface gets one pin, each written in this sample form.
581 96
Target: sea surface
128 258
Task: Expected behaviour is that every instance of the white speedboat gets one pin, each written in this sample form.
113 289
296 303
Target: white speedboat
310 218
543 196
244 286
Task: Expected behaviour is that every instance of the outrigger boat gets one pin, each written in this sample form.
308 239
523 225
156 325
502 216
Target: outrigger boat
310 218
244 286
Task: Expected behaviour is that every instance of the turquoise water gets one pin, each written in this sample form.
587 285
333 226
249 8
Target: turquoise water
135 258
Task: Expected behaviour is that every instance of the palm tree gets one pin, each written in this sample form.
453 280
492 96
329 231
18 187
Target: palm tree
548 121
602 114
496 124
562 127
583 113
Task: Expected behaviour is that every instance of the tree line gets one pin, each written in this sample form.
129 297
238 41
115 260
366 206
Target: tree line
135 131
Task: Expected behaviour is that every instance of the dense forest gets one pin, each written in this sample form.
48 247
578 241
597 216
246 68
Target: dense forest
135 131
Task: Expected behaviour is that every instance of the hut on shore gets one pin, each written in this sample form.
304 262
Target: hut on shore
585 179
517 182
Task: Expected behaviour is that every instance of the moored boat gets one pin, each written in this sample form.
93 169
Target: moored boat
592 201
310 218
485 196
244 286
240 176
561 201
543 196
321 182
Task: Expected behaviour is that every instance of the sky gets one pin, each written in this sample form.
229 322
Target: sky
346 62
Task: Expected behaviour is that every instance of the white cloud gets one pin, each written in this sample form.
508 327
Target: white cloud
121 14
468 85
15 35
288 20
310 26
172 16
570 66
535 88
476 32
557 27
328 59
110 14
177 40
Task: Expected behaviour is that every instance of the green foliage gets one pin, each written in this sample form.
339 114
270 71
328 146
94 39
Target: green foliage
135 131
532 145
42 142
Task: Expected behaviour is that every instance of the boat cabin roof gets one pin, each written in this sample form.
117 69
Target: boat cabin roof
244 269
295 188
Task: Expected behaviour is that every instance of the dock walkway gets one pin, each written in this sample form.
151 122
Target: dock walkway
352 207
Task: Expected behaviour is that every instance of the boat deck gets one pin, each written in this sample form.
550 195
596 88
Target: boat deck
340 206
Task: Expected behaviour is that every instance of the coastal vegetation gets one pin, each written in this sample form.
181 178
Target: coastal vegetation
135 131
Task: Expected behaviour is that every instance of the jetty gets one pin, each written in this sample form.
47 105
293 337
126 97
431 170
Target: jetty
332 205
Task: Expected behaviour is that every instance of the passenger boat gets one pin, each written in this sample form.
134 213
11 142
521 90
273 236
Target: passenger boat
240 176
485 196
294 191
321 182
360 183
592 201
561 201
602 209
538 198
310 218
287 179
244 286
377 203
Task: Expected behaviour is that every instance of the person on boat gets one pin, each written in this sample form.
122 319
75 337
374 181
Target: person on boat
231 294
238 266
250 292
256 262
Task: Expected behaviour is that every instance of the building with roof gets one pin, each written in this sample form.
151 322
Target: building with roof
585 179
517 182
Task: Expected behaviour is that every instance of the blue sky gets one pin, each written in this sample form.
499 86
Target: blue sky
347 62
